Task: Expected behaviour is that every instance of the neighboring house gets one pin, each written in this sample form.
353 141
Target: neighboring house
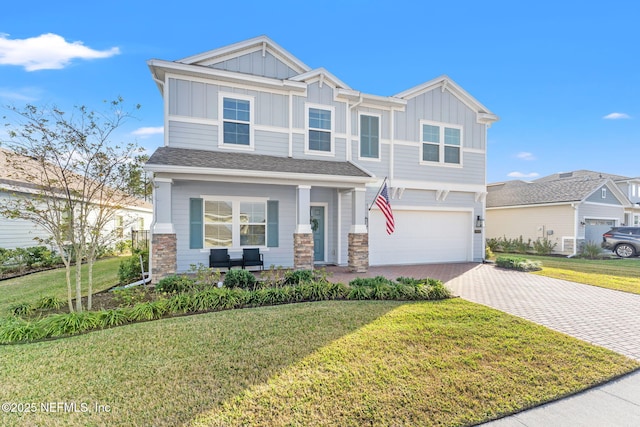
262 151
567 208
19 233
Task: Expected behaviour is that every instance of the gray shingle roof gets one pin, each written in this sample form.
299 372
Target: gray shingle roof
517 193
171 156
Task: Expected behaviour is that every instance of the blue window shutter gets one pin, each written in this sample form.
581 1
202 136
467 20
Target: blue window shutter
195 224
272 223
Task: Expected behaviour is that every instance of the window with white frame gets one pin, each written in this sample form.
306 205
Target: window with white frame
441 143
603 193
369 137
235 223
320 129
236 121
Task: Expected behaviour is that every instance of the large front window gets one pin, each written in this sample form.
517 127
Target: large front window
441 144
319 129
234 223
236 121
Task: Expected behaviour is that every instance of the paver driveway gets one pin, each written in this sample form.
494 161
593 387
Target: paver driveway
604 317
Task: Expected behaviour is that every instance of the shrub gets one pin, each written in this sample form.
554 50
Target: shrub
205 277
13 330
296 277
21 309
129 296
49 303
175 284
590 250
57 325
243 279
129 269
544 246
488 253
437 291
517 263
113 317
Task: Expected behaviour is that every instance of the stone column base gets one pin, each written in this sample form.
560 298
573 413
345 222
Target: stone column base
358 252
303 251
163 256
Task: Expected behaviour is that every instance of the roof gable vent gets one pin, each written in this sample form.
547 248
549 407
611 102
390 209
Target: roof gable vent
565 175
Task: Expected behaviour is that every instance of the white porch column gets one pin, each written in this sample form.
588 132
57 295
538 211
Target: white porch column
358 235
303 237
163 251
358 209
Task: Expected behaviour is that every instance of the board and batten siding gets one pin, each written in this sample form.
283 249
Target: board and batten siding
257 64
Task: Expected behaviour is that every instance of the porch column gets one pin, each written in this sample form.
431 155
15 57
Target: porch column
163 235
303 237
358 235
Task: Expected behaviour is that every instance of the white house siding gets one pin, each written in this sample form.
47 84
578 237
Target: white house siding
534 223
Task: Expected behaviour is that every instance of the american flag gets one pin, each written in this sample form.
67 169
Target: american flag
382 201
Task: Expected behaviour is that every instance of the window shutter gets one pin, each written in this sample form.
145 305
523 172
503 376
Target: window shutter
195 224
272 223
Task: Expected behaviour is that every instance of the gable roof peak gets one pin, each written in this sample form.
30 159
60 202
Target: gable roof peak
322 74
262 42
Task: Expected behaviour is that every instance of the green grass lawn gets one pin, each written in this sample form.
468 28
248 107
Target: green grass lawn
615 273
30 288
328 363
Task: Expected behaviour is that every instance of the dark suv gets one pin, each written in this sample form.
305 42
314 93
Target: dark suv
623 241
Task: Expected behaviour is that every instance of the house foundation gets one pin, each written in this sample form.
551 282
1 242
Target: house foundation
303 251
358 252
163 256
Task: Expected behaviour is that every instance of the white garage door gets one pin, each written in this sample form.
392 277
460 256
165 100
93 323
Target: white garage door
420 237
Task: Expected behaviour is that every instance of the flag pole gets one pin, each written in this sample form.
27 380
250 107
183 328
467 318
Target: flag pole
378 193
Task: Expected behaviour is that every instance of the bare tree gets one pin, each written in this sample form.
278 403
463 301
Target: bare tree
76 185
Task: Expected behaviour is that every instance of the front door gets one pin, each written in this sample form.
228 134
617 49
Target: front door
317 225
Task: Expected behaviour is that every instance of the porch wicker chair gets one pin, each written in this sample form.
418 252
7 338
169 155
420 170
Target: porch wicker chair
252 257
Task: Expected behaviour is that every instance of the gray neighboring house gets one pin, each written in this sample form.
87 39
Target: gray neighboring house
263 151
567 208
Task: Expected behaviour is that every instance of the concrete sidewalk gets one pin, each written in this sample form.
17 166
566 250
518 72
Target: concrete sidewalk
603 317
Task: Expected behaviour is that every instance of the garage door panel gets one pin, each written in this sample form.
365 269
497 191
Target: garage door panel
420 237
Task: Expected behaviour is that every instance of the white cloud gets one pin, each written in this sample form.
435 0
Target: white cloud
616 116
46 52
27 94
523 175
524 155
146 132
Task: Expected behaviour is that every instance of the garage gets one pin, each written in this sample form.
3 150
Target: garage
595 228
420 237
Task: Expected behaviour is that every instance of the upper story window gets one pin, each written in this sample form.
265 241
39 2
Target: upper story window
320 129
441 143
237 120
369 137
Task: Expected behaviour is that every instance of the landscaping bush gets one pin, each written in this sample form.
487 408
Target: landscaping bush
296 277
49 303
544 246
590 250
175 284
517 263
129 270
243 279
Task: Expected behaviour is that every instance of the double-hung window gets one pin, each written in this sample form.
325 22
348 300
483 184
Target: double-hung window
235 223
369 137
236 121
319 123
441 143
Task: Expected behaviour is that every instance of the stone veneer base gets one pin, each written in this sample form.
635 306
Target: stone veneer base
163 256
358 252
303 251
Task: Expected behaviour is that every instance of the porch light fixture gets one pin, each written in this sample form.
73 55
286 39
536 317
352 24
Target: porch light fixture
479 222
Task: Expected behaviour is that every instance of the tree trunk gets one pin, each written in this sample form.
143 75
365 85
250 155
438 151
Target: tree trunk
89 281
78 283
67 266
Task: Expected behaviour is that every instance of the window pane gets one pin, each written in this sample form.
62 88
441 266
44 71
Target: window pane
252 235
319 119
236 133
217 211
451 154
319 141
217 235
369 136
431 134
430 153
252 213
236 109
451 136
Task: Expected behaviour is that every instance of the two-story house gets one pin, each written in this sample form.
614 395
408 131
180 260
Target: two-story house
262 151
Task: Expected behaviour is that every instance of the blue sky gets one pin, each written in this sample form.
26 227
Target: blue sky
564 77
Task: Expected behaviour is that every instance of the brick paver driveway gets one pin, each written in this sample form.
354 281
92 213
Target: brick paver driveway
604 317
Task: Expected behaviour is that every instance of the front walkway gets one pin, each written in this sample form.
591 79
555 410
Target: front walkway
444 272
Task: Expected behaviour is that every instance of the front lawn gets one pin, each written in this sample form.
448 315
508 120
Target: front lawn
30 288
327 363
617 274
